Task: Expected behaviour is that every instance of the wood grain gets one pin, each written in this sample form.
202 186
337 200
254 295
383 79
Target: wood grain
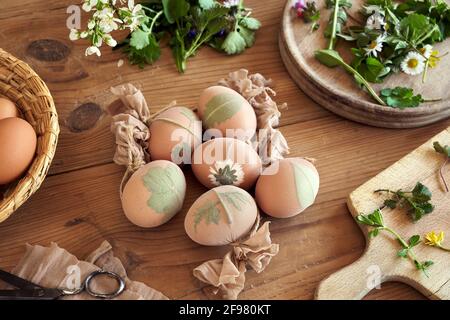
78 205
380 255
337 91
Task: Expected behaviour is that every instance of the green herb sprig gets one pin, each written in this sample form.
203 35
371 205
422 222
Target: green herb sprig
376 221
445 150
416 202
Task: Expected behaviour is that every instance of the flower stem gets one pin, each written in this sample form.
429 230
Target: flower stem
333 30
441 173
402 241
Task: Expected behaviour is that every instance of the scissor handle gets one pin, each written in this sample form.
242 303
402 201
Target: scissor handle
87 285
110 295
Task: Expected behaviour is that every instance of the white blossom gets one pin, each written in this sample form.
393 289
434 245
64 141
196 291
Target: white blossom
74 34
93 50
413 64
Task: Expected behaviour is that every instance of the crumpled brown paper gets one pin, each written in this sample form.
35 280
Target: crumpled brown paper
54 267
270 143
227 275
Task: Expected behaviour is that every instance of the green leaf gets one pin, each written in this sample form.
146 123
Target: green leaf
234 43
373 233
206 4
221 108
445 150
414 241
165 186
306 184
248 35
233 198
403 253
251 23
174 10
401 97
139 39
421 193
208 212
147 55
330 58
391 203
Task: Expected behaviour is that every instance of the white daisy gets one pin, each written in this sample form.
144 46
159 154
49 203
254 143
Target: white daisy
375 22
413 63
226 173
376 45
427 51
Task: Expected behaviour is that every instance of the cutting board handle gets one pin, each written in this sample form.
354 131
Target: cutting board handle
352 282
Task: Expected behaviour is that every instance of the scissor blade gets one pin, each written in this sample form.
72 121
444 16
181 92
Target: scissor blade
30 294
17 281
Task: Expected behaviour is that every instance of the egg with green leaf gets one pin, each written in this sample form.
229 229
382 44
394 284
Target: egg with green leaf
228 112
174 134
287 187
221 216
154 194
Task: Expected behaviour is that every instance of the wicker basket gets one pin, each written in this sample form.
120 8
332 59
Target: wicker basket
20 84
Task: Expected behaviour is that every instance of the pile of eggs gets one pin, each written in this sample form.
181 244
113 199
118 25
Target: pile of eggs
225 163
17 143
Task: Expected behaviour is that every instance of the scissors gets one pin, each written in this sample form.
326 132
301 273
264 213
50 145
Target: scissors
27 290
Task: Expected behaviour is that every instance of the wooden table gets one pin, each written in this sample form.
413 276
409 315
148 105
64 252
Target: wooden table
78 205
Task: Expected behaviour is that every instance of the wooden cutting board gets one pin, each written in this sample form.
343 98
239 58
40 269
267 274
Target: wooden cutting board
336 90
380 256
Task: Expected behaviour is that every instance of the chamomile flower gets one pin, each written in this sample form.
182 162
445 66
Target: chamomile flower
226 173
375 46
375 22
426 50
413 64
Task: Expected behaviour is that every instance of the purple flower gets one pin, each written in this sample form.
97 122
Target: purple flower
192 34
299 6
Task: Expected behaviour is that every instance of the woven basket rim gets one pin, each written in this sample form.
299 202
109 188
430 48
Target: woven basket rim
21 84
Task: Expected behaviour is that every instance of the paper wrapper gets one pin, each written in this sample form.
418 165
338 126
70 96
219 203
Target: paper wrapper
53 267
227 275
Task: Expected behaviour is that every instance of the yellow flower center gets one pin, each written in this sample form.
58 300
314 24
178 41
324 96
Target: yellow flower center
412 63
373 45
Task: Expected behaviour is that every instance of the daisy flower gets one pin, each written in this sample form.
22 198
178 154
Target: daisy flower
376 45
413 63
432 56
226 173
375 22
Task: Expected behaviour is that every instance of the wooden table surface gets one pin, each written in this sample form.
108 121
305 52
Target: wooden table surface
78 205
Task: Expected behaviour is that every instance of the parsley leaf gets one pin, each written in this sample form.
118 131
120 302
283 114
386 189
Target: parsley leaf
401 97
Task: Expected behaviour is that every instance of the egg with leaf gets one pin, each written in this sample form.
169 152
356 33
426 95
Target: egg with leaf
221 216
287 187
227 112
154 194
174 134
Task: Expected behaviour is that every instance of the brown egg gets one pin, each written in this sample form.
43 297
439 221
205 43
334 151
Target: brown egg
154 194
17 148
221 216
226 161
287 187
227 111
7 109
174 134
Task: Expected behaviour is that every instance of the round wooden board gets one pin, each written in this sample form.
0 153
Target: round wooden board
336 90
